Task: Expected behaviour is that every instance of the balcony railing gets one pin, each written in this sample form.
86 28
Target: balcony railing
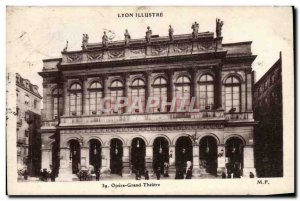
143 118
239 116
49 123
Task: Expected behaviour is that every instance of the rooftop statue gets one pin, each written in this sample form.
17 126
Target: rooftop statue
148 34
127 37
219 25
85 40
195 28
104 39
66 47
171 33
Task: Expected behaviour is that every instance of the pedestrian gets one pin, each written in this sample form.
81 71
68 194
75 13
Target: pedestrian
251 175
189 173
158 173
52 175
137 175
223 175
166 169
146 175
97 174
25 174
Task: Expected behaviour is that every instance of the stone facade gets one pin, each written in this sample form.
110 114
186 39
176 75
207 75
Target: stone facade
28 124
269 131
217 139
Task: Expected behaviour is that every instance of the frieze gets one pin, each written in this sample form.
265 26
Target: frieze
154 128
207 45
159 50
74 57
95 56
182 48
112 54
137 51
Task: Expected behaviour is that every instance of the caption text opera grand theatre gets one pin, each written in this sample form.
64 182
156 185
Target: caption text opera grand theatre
216 138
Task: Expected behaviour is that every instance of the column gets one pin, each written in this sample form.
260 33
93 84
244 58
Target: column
196 163
148 87
126 164
249 91
194 87
248 161
126 89
65 161
221 160
149 158
84 157
66 98
46 158
105 160
105 91
171 85
219 85
172 167
85 102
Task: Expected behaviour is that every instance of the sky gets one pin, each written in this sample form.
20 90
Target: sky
37 33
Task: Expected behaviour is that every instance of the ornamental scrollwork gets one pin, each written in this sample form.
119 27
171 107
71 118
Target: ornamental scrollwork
74 57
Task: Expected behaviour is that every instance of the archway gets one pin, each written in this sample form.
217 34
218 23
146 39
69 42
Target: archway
234 155
75 155
208 151
95 154
116 154
138 152
160 153
184 152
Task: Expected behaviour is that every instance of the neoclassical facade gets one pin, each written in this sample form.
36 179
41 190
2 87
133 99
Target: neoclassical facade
217 138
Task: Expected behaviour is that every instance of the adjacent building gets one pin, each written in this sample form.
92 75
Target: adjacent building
28 125
267 105
217 138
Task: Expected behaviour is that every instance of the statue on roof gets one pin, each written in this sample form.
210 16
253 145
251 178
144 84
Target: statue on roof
66 47
127 37
85 40
219 25
104 39
171 33
148 34
195 28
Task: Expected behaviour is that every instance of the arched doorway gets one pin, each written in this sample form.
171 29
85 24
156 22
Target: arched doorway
75 155
95 154
208 154
184 152
55 158
160 153
116 154
234 155
138 152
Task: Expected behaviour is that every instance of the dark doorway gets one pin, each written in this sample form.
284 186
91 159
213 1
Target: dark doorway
138 153
75 155
95 154
184 152
160 153
116 154
234 153
208 154
55 158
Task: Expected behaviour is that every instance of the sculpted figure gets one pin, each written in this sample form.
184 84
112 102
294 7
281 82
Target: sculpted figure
85 40
104 39
195 28
66 47
148 34
219 25
127 37
171 32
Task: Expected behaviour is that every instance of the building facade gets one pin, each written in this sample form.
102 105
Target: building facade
216 139
267 105
28 125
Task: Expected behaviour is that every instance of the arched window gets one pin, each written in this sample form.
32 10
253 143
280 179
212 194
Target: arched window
76 99
206 92
138 91
116 90
95 95
182 93
57 104
232 94
160 91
